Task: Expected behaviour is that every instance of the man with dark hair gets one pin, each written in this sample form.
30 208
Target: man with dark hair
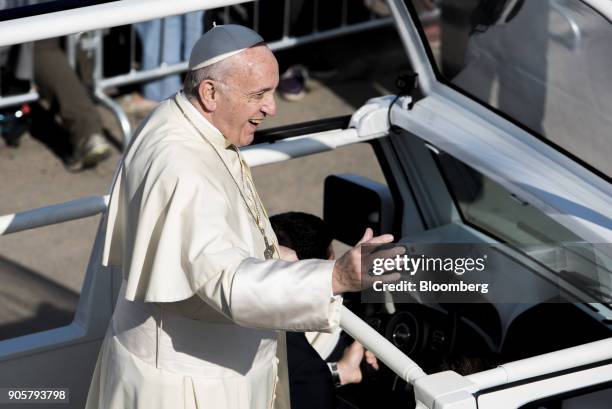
304 233
311 379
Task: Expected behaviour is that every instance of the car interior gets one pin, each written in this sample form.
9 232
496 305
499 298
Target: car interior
470 337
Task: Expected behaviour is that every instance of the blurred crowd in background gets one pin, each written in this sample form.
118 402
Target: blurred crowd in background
66 106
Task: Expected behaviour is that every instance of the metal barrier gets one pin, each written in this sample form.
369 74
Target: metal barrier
102 84
26 53
255 156
57 213
18 99
72 44
93 42
50 25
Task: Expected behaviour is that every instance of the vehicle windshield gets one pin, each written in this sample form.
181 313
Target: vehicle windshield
490 208
545 64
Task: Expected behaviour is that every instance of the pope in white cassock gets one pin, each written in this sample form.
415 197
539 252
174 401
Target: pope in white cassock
206 296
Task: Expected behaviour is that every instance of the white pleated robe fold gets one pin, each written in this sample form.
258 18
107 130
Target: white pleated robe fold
201 316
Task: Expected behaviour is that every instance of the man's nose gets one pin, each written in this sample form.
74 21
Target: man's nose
269 105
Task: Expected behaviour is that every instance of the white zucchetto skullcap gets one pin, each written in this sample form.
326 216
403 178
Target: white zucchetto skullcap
221 42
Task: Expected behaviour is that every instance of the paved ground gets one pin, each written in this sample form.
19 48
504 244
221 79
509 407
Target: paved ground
42 270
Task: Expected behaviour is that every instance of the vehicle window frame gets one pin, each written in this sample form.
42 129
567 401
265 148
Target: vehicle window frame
568 395
442 80
549 377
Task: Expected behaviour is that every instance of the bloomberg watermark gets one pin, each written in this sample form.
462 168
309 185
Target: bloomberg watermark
492 273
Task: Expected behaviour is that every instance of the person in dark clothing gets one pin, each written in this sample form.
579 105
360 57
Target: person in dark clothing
304 233
312 381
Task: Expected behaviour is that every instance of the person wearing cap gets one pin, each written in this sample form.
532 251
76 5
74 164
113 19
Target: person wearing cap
205 299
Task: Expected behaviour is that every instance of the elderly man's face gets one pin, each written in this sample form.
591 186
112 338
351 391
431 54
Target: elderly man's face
247 95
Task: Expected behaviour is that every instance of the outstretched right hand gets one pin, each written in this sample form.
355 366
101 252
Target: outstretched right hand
347 269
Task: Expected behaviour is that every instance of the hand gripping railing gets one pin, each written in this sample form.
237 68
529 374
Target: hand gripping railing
384 350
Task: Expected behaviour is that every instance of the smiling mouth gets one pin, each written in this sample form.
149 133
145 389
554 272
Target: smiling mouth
255 122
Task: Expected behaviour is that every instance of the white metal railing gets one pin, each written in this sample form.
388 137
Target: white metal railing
551 362
26 56
18 99
255 155
31 95
93 19
384 350
76 21
48 215
97 17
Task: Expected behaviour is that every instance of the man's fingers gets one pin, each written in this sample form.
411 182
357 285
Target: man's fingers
385 238
388 253
371 359
369 233
357 348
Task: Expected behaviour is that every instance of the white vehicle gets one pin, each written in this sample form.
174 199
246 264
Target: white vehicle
457 171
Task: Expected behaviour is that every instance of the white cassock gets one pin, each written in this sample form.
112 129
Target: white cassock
199 320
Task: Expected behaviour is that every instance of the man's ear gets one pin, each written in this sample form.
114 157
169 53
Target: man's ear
208 95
